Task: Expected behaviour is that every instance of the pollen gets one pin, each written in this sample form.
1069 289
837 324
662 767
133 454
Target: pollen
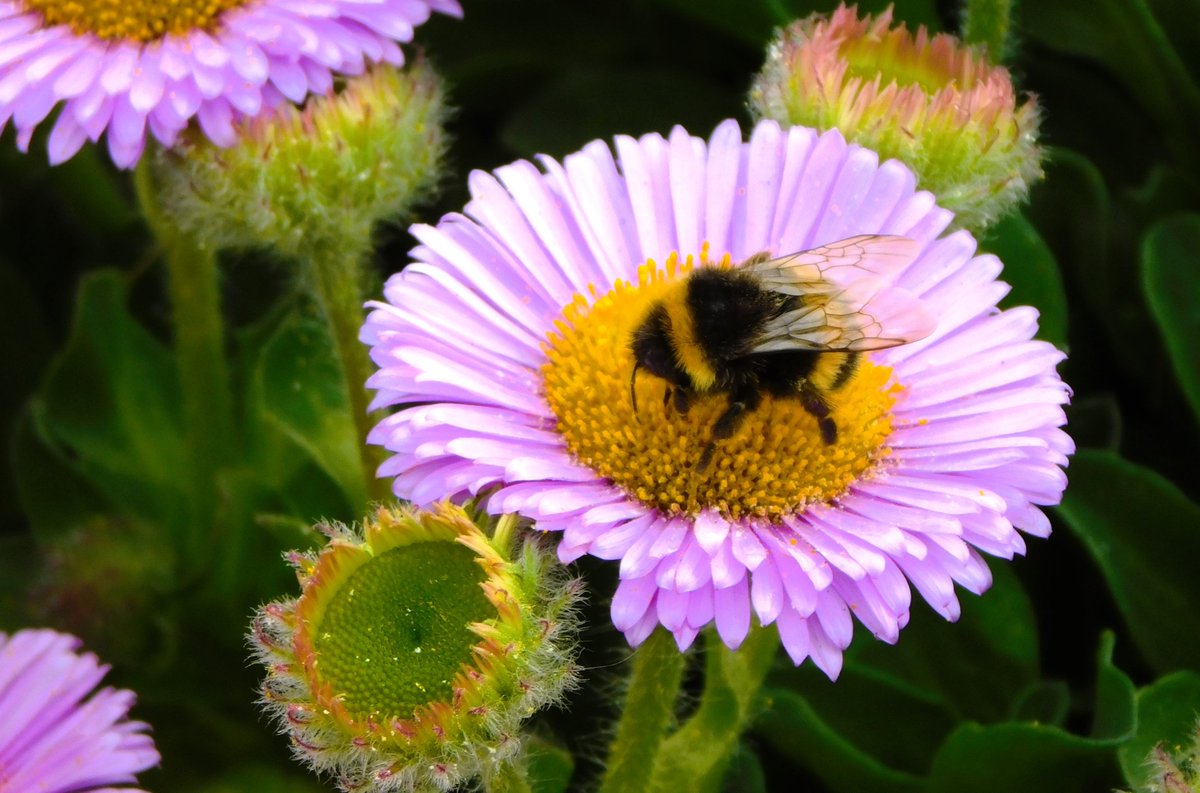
775 464
132 20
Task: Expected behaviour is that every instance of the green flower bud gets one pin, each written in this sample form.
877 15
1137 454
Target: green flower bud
313 178
416 649
929 101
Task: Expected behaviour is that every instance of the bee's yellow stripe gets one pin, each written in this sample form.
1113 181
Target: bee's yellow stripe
688 351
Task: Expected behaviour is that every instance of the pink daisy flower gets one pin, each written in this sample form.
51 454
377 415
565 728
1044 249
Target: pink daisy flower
51 739
138 68
511 332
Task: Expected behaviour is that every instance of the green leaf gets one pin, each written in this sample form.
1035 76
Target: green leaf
54 495
549 766
299 385
790 724
1044 702
976 668
1167 713
1115 718
110 403
937 675
1144 534
1171 283
1073 213
1033 272
1034 758
745 774
1125 36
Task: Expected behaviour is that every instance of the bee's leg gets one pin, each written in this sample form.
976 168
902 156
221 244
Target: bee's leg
740 404
681 396
815 403
683 400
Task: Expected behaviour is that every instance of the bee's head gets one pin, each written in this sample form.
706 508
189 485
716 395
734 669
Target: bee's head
651 346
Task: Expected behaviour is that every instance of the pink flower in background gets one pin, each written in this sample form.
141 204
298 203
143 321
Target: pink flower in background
136 68
508 342
54 737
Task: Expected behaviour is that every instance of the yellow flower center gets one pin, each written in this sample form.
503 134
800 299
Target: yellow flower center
132 20
775 464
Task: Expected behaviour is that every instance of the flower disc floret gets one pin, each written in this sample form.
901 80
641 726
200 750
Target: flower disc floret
416 649
132 70
132 20
472 341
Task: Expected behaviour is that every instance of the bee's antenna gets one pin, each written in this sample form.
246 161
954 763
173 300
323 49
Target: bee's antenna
633 388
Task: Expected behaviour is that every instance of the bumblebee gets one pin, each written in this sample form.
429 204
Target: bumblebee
792 327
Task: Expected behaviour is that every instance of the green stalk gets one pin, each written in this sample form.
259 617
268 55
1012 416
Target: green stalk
697 755
193 288
648 713
988 22
338 283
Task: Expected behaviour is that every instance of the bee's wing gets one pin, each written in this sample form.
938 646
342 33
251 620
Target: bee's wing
847 300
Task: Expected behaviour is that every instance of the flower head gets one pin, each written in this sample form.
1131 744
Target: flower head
416 650
929 101
138 68
511 329
52 739
317 177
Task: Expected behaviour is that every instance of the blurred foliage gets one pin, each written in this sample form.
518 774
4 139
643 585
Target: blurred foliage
1061 678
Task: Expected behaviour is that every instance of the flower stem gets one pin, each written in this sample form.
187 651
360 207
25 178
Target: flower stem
988 22
338 278
697 755
193 288
649 711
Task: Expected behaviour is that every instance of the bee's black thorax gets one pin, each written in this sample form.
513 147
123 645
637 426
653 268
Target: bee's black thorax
727 308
